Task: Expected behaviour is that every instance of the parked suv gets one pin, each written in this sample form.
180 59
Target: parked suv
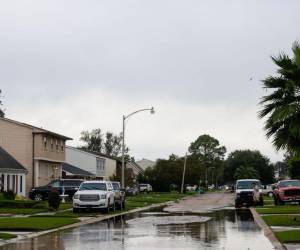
287 191
119 195
244 192
94 195
145 188
68 186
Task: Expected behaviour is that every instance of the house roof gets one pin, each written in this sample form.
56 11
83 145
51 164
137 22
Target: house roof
134 165
95 153
9 163
37 130
75 170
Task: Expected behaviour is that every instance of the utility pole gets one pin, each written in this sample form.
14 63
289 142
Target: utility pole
183 174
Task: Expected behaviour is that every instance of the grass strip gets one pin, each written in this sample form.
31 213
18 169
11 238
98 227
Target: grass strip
291 236
279 210
282 220
34 223
6 236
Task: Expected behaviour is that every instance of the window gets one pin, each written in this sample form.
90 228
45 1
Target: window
45 143
51 144
100 165
56 145
62 146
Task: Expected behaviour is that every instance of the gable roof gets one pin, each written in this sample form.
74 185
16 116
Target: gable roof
9 163
37 130
95 153
75 170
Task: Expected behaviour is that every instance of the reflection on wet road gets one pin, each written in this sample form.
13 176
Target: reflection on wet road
227 229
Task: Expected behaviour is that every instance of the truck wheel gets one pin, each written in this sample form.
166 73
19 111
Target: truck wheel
281 202
107 209
237 205
76 210
261 202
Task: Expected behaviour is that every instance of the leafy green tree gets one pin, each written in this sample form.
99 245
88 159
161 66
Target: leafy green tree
294 167
281 107
209 153
93 140
2 114
249 159
207 148
110 144
244 172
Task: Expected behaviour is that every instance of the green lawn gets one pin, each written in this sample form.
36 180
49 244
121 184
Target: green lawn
34 223
21 210
5 236
279 210
282 220
291 236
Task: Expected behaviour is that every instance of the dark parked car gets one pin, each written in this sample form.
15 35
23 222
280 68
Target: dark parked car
69 186
287 191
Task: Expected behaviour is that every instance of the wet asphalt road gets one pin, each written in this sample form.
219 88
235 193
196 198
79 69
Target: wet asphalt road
156 229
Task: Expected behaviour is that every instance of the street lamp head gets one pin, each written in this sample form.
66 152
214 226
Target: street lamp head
152 111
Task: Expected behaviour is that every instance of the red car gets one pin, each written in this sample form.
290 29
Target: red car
287 191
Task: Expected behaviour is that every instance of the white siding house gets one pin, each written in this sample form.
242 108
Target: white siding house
102 166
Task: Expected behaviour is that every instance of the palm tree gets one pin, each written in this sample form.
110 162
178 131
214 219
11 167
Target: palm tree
282 106
244 172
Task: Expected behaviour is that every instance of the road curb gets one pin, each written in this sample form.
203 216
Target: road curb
82 223
267 230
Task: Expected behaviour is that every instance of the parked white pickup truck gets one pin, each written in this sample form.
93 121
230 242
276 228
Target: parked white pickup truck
94 195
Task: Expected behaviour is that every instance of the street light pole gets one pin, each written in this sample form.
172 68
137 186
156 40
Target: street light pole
183 174
123 142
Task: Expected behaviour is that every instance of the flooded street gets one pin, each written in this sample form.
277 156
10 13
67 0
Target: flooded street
154 229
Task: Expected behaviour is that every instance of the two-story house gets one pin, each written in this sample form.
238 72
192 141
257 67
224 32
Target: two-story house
100 165
39 151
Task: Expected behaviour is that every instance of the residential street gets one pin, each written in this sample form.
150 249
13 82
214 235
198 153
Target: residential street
204 225
202 203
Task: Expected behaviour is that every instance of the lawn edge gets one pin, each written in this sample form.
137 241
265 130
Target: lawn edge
86 222
267 230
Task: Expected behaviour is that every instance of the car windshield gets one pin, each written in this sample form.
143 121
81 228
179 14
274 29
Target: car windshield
93 186
116 186
246 184
143 185
294 183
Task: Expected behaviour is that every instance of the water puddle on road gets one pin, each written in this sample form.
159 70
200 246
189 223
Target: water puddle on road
223 229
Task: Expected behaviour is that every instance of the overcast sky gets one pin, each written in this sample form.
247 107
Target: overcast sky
77 65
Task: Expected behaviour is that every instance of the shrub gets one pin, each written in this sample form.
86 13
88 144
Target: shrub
9 195
54 199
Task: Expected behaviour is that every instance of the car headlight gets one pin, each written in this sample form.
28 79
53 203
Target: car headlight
103 196
76 196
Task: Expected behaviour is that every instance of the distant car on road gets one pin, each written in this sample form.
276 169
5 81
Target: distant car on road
244 192
94 195
145 188
68 186
287 191
268 190
191 188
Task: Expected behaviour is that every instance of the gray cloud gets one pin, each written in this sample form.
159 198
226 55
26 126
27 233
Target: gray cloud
73 65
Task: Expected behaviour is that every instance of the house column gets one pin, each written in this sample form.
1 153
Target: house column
5 182
37 174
